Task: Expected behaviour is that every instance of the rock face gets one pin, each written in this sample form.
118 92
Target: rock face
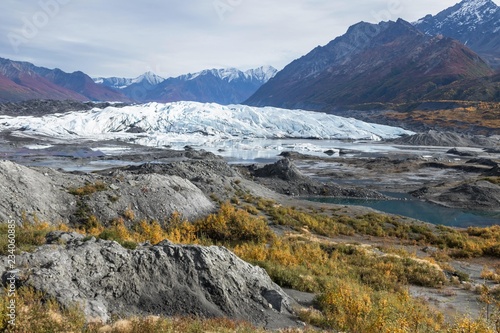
164 279
45 193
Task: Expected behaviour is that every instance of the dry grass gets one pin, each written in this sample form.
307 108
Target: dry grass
89 189
481 114
358 289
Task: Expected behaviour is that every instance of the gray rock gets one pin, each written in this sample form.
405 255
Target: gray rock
44 193
165 279
447 139
430 249
61 237
283 169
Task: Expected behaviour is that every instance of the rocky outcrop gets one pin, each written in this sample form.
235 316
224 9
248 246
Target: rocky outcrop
285 178
165 279
283 169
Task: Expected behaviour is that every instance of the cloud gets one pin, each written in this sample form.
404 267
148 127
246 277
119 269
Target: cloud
172 37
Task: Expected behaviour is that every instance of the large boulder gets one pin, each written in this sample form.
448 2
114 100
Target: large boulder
166 279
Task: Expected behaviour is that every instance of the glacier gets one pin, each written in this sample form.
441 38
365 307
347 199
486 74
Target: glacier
159 125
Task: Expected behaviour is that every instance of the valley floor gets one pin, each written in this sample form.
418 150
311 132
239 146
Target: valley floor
451 273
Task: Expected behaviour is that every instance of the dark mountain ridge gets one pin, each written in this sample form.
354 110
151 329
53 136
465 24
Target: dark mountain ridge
20 81
385 62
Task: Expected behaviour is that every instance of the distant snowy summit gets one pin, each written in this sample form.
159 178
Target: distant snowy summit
476 23
156 124
224 86
122 83
261 74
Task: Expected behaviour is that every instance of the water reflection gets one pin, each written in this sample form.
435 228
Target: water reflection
422 210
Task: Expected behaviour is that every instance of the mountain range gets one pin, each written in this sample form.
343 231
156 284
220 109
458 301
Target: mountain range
223 86
21 81
450 56
385 62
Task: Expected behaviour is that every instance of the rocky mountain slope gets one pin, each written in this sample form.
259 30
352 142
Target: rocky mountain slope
385 62
21 81
476 23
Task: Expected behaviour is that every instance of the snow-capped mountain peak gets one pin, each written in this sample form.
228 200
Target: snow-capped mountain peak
260 74
122 83
148 77
468 13
474 10
263 73
113 82
475 23
224 85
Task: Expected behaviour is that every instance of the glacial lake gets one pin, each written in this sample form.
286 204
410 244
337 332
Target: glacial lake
421 210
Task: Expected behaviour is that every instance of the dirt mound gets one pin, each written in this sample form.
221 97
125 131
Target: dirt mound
54 196
30 192
164 279
479 195
283 169
211 174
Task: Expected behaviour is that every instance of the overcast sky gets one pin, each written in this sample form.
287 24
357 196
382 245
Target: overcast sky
174 37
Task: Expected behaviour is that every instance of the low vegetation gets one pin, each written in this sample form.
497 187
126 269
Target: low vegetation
484 116
88 189
493 180
359 288
43 315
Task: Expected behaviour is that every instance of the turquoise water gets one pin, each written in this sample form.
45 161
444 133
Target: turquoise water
422 210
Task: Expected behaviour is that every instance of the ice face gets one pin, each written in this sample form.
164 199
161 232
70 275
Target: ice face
157 124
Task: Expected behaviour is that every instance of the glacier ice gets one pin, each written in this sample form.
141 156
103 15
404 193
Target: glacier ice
157 124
